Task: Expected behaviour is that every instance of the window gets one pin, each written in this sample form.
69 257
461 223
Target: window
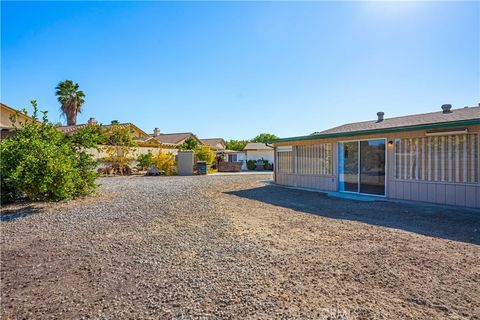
314 159
232 158
284 159
449 158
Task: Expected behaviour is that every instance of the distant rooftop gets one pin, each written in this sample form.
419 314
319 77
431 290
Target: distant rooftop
257 146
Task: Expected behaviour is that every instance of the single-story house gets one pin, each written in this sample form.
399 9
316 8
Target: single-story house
144 142
431 157
256 151
173 140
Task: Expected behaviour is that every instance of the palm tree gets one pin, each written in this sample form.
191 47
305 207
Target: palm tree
71 100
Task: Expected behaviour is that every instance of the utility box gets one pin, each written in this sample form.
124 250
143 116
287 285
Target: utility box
185 163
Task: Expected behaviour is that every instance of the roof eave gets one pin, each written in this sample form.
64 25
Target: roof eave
380 131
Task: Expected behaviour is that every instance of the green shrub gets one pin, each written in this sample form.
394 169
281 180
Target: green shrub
251 164
204 153
145 160
41 163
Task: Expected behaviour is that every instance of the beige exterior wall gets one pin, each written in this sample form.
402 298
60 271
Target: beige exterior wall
5 113
259 154
451 193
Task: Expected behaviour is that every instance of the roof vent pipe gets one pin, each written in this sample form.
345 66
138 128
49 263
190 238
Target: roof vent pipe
380 116
447 108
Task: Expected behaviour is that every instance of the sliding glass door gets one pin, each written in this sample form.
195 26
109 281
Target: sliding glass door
361 166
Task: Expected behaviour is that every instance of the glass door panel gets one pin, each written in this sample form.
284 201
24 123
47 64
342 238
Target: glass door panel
372 167
348 166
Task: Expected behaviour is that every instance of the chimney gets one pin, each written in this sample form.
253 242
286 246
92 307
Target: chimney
380 116
156 132
92 121
447 108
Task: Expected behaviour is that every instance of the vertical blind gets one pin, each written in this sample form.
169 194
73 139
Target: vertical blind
314 159
311 159
284 162
446 158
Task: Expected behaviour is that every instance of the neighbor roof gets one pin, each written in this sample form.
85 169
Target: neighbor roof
213 142
173 138
257 146
74 128
457 117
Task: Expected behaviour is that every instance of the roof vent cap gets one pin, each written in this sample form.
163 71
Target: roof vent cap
92 121
380 116
447 108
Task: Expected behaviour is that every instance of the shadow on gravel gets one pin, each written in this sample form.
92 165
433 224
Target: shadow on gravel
18 212
430 220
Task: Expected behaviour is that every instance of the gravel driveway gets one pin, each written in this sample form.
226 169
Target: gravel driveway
234 247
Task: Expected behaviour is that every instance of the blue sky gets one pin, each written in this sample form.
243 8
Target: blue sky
235 69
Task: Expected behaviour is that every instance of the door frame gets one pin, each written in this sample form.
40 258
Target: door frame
359 160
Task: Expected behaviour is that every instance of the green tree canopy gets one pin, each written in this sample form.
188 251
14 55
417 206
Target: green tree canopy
264 137
235 144
189 144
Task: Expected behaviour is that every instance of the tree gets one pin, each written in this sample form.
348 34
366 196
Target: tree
236 144
204 153
189 144
41 163
264 137
71 100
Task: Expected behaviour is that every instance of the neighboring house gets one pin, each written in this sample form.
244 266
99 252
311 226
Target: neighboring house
144 142
173 140
217 144
6 125
431 157
256 151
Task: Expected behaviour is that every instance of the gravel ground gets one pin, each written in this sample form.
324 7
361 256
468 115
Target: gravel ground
233 247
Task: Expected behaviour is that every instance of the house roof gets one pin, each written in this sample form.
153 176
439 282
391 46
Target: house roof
74 128
257 146
431 120
174 138
214 142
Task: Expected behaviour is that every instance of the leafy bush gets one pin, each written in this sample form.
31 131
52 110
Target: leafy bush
204 153
120 147
251 164
165 162
266 165
145 160
41 163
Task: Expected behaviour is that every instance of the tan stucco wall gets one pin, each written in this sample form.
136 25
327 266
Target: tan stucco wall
5 114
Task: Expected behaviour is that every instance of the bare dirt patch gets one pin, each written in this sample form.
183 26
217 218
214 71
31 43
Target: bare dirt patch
233 247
